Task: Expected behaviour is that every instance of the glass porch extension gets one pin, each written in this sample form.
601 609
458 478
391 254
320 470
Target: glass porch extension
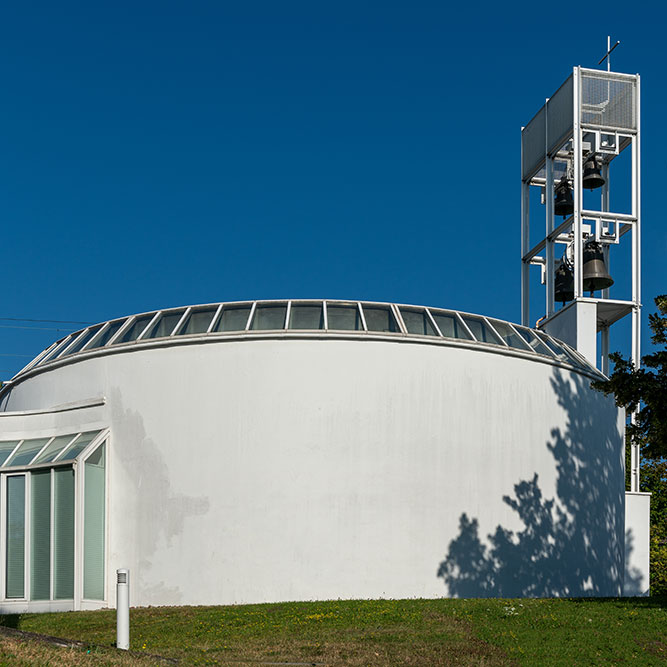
43 500
362 318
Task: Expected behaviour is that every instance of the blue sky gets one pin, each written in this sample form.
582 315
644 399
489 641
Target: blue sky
166 153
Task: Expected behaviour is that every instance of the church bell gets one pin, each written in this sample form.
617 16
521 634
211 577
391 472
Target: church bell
595 272
592 177
563 204
563 282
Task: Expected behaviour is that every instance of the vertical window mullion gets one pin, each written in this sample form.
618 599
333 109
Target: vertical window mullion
3 536
26 557
52 540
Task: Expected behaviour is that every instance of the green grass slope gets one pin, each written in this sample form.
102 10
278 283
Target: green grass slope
366 632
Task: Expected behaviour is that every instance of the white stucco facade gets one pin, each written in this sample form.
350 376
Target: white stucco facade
270 466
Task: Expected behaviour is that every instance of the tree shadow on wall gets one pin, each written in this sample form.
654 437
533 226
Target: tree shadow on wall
570 545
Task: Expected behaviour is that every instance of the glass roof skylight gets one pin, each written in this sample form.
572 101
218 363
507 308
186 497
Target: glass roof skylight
36 451
254 317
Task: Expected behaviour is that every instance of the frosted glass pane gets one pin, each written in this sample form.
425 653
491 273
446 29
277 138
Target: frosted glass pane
79 445
93 530
560 351
198 321
15 582
40 535
345 318
269 317
56 350
509 336
417 322
306 317
480 330
534 342
135 329
449 325
165 325
233 318
63 535
380 318
82 340
569 355
27 452
6 448
106 335
56 446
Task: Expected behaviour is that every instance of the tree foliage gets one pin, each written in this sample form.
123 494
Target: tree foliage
654 480
644 388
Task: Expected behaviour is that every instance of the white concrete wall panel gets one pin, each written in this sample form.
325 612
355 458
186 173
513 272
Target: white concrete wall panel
291 469
637 543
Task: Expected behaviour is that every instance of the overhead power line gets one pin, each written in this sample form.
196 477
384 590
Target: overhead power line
29 319
15 326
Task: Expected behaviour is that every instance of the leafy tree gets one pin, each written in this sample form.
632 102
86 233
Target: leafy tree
645 389
654 480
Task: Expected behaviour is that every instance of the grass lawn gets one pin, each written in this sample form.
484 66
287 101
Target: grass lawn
379 632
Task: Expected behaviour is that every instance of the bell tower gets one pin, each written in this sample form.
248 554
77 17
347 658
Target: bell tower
580 214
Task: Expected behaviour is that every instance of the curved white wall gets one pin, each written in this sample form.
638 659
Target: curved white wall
284 469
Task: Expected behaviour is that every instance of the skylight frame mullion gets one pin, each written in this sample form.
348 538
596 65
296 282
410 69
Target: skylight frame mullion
192 312
93 330
37 359
436 328
325 315
85 449
398 317
101 331
9 458
503 342
92 445
575 357
549 352
72 342
362 317
566 352
64 449
542 335
288 310
216 318
269 305
465 326
73 436
121 330
7 465
41 450
522 339
180 322
59 347
251 315
151 322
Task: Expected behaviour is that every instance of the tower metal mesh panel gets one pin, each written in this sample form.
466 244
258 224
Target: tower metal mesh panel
533 139
608 100
559 115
